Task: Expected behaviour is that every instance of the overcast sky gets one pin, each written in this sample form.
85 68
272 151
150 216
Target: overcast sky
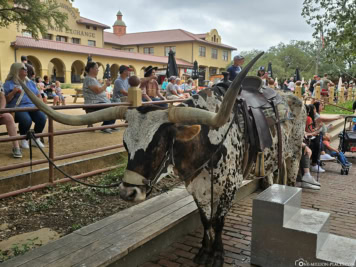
246 25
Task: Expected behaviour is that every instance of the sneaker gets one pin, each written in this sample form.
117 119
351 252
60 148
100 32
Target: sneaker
40 144
115 129
107 131
24 144
16 152
326 157
307 178
310 186
316 168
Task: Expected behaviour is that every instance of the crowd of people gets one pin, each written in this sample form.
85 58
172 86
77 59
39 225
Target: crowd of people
316 146
12 95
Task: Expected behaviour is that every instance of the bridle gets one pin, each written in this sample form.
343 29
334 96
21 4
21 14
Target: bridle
168 159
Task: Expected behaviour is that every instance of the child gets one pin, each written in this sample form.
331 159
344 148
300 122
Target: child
41 87
334 152
58 91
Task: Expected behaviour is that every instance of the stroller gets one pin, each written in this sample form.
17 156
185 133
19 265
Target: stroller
348 139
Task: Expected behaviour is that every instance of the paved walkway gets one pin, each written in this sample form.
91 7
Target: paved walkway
337 196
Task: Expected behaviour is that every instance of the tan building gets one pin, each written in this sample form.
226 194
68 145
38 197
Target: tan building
62 54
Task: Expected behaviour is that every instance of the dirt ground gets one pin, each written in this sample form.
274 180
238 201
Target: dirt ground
64 144
35 218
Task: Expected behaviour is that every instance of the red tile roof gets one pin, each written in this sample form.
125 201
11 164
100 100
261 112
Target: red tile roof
201 35
83 49
154 37
86 21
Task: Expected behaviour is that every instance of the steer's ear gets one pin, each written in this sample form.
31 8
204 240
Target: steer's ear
187 133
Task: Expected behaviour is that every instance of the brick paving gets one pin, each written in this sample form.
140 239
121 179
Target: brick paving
337 196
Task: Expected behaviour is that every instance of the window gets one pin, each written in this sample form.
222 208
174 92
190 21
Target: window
91 43
75 40
26 34
168 48
213 71
202 51
225 56
48 36
214 53
60 38
148 50
128 49
87 26
94 28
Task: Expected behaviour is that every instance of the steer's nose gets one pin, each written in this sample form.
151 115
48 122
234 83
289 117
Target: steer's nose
128 195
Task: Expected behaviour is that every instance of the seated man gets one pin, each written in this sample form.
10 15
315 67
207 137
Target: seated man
8 120
334 152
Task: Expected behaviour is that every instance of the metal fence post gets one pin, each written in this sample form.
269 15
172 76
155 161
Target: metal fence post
51 149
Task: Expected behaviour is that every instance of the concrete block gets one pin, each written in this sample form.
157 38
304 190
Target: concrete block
283 234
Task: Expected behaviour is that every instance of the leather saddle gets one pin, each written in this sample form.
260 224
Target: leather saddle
252 100
256 98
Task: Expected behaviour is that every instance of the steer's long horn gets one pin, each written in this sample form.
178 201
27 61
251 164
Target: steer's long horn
90 118
200 116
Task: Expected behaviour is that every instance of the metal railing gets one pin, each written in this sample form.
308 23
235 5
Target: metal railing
52 133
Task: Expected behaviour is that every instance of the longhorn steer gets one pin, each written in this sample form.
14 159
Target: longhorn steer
180 140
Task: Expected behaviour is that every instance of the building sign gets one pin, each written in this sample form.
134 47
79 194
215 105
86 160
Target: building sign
74 32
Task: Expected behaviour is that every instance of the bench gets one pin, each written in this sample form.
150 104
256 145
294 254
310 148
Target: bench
78 93
127 238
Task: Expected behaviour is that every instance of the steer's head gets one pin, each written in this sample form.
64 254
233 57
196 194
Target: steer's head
148 140
151 132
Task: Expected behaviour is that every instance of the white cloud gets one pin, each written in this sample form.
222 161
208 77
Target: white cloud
246 25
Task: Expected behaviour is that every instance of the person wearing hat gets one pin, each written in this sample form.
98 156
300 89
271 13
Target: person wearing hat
235 68
263 75
121 85
150 87
261 72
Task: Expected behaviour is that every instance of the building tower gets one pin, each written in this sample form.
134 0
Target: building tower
119 26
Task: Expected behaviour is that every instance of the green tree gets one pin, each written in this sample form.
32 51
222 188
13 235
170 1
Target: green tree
36 15
285 58
336 20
